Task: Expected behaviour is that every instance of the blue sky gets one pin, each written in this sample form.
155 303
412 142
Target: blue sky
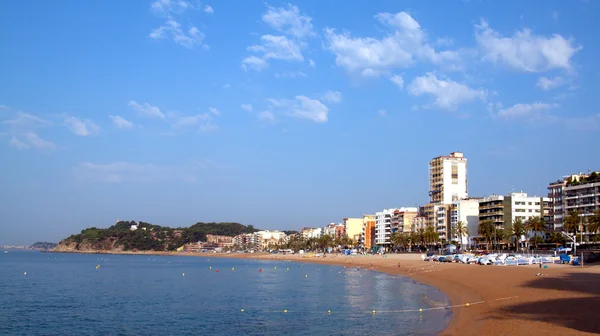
281 114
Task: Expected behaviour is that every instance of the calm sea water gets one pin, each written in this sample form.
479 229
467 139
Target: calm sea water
64 294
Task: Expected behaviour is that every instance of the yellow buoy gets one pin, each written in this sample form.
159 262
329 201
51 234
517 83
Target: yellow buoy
467 304
242 310
329 312
182 274
374 312
24 273
233 268
209 267
306 276
420 309
274 267
285 310
287 269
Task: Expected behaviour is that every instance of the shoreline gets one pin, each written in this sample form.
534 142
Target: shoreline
503 300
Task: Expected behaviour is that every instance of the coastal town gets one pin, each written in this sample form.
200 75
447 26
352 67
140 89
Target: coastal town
568 214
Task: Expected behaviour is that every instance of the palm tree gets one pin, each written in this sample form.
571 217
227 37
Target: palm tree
518 230
571 222
556 238
399 239
594 223
536 224
431 236
460 229
486 229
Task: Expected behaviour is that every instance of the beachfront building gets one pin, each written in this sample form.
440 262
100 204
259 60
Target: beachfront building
466 211
447 184
383 227
419 223
503 211
578 192
402 219
354 228
368 236
448 178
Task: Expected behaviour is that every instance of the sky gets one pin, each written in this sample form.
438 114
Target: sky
282 114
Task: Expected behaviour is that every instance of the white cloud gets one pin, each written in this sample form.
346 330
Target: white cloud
397 79
226 86
405 43
214 111
23 135
133 172
81 127
31 140
311 63
18 144
189 121
278 48
172 29
289 21
166 7
121 122
546 83
208 9
448 94
290 75
529 111
266 116
208 164
332 96
26 121
382 113
301 107
254 63
525 51
147 109
247 107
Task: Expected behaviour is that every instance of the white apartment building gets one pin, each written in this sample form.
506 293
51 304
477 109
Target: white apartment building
466 211
383 227
448 178
578 192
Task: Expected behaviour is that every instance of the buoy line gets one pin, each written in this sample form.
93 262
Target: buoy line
374 311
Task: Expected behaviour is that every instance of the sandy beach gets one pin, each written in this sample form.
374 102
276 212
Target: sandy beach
502 300
486 300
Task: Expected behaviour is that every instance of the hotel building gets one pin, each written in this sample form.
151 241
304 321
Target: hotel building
368 237
580 192
448 178
466 211
354 228
383 227
447 184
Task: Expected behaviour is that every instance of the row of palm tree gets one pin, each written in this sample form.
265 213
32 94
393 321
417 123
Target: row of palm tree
422 237
573 223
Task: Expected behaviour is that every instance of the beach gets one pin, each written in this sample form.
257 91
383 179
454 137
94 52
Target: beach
503 300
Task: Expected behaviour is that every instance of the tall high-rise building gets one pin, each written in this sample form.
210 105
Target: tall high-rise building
448 178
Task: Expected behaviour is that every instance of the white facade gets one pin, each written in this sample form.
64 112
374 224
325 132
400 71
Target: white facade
448 178
383 226
525 207
466 211
268 235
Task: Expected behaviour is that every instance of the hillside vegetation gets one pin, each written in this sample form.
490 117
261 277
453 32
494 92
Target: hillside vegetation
147 237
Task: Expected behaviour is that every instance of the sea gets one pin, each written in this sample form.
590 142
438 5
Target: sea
98 294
